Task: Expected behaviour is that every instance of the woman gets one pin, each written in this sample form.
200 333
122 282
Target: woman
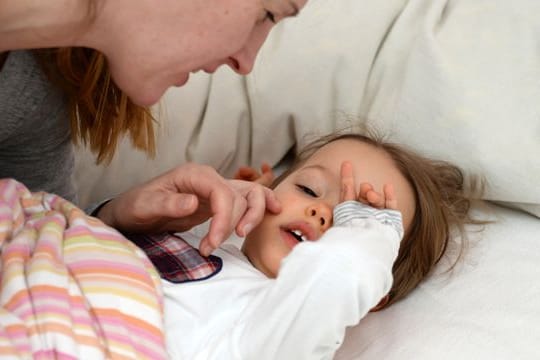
101 63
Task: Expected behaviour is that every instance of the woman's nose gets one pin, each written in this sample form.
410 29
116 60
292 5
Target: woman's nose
322 213
243 61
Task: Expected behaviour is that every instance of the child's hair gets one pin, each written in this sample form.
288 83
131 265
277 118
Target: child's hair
441 206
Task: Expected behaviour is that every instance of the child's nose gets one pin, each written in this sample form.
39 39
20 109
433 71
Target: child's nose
322 214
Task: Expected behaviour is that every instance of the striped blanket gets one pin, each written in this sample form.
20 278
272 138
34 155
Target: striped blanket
71 287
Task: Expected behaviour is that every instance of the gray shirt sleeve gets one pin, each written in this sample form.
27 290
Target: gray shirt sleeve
35 144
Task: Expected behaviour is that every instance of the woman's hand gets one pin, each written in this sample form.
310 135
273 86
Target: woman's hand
367 195
187 196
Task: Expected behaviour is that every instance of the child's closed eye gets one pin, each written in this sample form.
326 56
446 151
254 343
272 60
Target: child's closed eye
307 190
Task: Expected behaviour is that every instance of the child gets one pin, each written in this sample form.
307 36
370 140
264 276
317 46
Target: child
305 274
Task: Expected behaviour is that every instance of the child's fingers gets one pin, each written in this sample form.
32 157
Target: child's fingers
347 182
365 188
370 197
375 199
246 173
265 167
242 172
390 197
266 179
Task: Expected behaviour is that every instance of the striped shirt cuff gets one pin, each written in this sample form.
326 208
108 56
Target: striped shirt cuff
346 212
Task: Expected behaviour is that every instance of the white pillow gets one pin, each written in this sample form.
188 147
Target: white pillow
456 80
465 88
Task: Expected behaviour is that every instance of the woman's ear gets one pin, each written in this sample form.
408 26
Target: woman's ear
381 304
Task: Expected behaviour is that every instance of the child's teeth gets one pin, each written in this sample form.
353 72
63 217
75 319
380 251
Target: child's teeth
299 234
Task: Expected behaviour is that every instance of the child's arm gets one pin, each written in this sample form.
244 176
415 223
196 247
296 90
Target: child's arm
327 285
323 287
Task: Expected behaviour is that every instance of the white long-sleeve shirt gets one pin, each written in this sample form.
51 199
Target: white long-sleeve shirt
322 287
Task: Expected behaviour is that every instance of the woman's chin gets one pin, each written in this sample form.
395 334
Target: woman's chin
182 80
147 97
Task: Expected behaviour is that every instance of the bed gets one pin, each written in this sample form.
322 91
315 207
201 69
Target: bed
453 79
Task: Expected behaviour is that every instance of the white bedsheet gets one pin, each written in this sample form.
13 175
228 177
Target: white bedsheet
488 308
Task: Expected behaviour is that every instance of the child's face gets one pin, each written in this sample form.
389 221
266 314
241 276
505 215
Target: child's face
309 195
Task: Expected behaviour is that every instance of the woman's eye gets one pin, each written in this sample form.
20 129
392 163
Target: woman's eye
307 190
270 16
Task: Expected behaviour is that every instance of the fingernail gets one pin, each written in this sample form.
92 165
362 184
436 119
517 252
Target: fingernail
186 203
246 229
206 249
218 238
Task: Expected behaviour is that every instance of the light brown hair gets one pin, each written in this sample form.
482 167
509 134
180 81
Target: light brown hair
100 112
442 204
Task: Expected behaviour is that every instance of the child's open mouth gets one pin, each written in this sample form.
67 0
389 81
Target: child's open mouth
298 235
295 233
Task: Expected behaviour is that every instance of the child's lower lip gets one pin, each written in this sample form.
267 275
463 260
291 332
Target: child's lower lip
288 239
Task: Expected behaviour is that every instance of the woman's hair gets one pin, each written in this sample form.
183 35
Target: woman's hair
100 112
442 205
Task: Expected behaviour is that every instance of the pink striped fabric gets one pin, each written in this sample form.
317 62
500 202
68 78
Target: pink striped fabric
71 287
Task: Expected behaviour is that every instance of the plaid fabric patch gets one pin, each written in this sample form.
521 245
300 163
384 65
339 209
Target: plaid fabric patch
175 259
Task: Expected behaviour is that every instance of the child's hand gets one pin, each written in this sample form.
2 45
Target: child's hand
265 178
367 195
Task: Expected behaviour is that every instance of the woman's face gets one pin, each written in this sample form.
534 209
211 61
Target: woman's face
152 45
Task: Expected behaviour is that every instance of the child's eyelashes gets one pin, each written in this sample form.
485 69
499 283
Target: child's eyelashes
306 190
